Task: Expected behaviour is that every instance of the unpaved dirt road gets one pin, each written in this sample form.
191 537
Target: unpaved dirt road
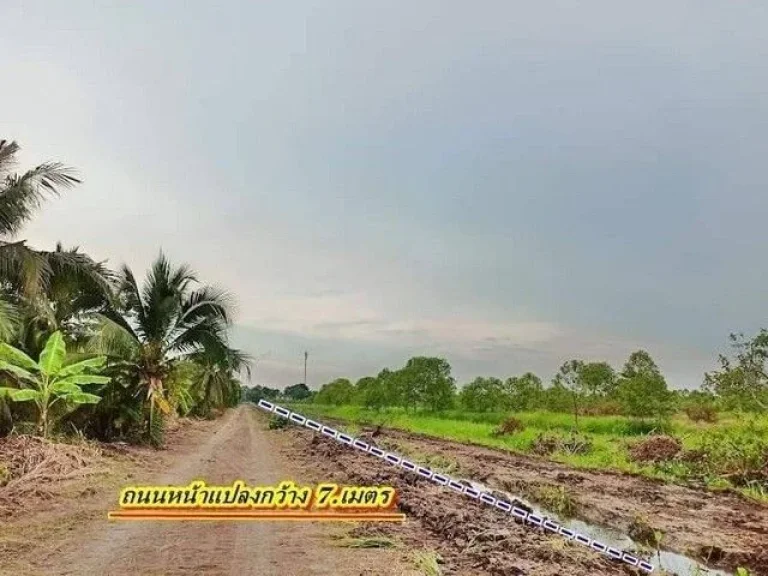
75 538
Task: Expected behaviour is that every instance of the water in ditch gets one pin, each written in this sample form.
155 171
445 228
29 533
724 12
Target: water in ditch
664 561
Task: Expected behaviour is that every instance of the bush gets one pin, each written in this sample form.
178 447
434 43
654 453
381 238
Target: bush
278 422
640 427
603 408
701 413
741 455
556 499
509 426
548 443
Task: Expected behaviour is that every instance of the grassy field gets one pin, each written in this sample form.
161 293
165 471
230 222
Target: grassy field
736 444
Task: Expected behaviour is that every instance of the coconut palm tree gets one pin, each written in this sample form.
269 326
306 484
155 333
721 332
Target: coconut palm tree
20 196
217 383
170 318
76 291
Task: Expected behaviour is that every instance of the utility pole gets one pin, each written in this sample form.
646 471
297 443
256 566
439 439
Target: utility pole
305 367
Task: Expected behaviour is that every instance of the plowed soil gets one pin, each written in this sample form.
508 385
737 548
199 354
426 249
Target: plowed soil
720 529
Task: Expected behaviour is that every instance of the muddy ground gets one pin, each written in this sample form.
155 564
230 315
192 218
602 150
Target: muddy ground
723 530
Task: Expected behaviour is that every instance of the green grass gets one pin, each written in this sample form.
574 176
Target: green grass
428 562
610 435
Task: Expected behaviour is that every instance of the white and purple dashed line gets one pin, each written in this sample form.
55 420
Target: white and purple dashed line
527 518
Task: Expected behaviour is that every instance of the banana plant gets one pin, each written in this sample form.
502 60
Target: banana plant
50 380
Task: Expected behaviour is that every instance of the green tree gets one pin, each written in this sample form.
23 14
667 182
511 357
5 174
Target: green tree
76 291
642 388
383 392
336 393
149 329
256 393
569 377
742 381
216 378
362 389
597 379
523 392
24 270
557 397
51 379
428 382
297 392
482 395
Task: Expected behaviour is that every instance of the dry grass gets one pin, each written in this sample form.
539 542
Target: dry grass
33 467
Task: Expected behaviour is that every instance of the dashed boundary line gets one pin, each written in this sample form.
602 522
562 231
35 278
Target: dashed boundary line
528 519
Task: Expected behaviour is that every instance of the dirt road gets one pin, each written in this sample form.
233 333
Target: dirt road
75 538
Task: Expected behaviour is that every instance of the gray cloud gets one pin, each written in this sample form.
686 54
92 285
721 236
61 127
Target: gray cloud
510 184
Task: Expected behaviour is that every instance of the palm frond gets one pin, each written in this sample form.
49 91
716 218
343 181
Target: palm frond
21 195
25 269
10 317
8 152
113 339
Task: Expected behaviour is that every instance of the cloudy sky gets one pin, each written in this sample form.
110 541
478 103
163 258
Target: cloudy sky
506 184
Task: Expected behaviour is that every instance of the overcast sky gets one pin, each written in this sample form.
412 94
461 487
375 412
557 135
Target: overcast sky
506 184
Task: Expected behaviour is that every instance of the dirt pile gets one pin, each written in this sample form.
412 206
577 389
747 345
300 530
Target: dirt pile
656 449
31 467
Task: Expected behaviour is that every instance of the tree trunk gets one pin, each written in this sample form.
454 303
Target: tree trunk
576 409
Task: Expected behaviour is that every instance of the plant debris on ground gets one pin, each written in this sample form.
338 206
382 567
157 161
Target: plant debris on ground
32 466
656 449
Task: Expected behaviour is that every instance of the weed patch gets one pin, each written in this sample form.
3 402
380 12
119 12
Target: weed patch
427 562
547 444
509 426
555 498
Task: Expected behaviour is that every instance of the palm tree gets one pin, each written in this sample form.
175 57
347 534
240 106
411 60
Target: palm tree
40 291
171 318
77 290
20 196
217 384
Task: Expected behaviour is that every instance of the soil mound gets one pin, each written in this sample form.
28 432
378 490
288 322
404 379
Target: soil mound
656 449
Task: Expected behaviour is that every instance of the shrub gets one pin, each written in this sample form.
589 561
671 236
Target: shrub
739 454
640 427
509 426
548 443
277 422
701 412
640 530
603 408
555 498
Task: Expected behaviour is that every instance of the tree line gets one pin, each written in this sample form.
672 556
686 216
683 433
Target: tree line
86 347
638 389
